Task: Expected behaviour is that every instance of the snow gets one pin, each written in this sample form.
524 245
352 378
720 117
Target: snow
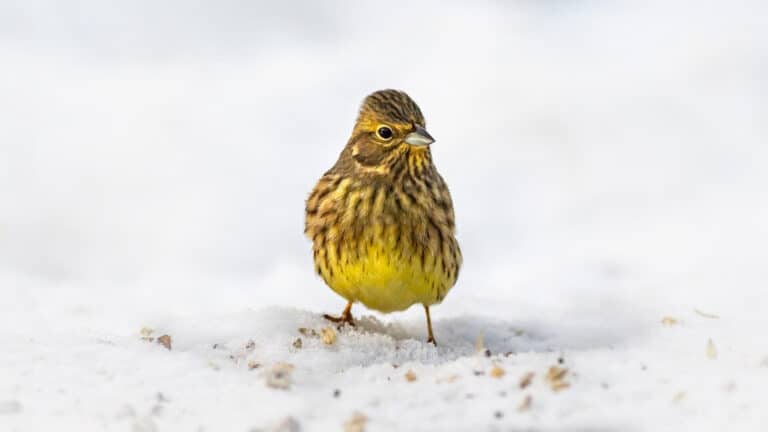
606 160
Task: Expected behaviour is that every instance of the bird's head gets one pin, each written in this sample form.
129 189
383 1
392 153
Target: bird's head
390 126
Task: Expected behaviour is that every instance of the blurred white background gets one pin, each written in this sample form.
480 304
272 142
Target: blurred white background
607 159
143 139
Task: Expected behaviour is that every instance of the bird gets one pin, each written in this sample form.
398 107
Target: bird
381 219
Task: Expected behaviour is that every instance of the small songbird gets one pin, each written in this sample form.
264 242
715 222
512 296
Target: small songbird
381 219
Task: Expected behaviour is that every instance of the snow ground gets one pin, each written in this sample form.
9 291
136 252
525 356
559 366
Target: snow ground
607 163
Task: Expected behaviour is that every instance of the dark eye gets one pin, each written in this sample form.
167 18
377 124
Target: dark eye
384 132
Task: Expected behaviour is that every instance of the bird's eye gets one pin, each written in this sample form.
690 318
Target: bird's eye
384 133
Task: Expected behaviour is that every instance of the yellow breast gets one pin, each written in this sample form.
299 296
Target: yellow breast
386 278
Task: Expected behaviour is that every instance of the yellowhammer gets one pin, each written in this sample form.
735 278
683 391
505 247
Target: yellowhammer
381 219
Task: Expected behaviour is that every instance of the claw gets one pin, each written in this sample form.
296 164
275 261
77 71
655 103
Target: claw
345 318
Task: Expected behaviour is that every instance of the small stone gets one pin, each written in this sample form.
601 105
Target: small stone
498 414
336 393
165 340
279 376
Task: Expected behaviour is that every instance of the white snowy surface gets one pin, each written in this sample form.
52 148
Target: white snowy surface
607 161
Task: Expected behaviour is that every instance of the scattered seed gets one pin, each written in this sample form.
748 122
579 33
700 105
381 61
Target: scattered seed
336 393
307 332
479 373
669 321
253 365
497 372
297 343
165 340
711 350
487 353
525 404
498 414
250 346
526 380
449 379
479 343
410 376
356 423
328 335
679 396
556 378
146 334
707 315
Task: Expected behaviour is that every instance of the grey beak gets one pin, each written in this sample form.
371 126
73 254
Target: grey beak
419 137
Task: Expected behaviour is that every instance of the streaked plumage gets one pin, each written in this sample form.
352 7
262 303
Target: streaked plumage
381 219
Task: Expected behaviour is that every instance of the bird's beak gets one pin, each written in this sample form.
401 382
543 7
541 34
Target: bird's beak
419 137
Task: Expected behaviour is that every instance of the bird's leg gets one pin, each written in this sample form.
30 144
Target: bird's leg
431 336
345 318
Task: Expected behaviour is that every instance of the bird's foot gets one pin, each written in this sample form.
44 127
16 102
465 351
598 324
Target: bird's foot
341 320
345 318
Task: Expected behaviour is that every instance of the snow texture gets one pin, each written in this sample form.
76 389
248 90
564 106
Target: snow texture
607 161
